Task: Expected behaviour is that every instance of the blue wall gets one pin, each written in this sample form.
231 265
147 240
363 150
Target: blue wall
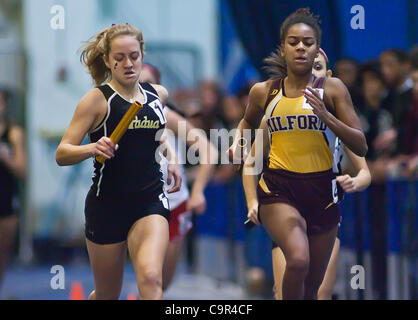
387 25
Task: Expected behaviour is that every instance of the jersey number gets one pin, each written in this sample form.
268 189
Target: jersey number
156 106
334 190
164 200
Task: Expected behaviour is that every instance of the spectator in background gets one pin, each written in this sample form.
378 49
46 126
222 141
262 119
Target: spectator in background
376 120
12 167
243 96
211 116
395 67
233 107
406 161
187 102
347 70
231 111
210 99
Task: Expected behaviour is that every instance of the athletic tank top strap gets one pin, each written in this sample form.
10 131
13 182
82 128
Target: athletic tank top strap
274 90
149 89
106 90
319 83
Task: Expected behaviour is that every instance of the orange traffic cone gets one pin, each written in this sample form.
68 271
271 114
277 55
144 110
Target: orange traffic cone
76 291
131 296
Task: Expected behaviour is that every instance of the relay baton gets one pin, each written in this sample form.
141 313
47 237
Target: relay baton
123 125
249 224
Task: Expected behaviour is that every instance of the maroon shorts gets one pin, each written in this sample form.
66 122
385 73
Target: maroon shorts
315 195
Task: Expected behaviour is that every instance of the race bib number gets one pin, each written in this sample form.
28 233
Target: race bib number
334 190
164 200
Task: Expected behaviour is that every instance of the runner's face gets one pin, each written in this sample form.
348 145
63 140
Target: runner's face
300 48
319 69
125 59
391 68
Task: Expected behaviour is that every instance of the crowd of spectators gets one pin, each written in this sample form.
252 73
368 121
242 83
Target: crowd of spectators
385 95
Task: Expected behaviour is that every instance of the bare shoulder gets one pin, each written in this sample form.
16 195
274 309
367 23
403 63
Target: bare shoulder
334 86
89 111
260 88
259 92
336 92
162 92
93 101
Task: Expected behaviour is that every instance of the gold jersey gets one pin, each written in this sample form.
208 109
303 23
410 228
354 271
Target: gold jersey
299 141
